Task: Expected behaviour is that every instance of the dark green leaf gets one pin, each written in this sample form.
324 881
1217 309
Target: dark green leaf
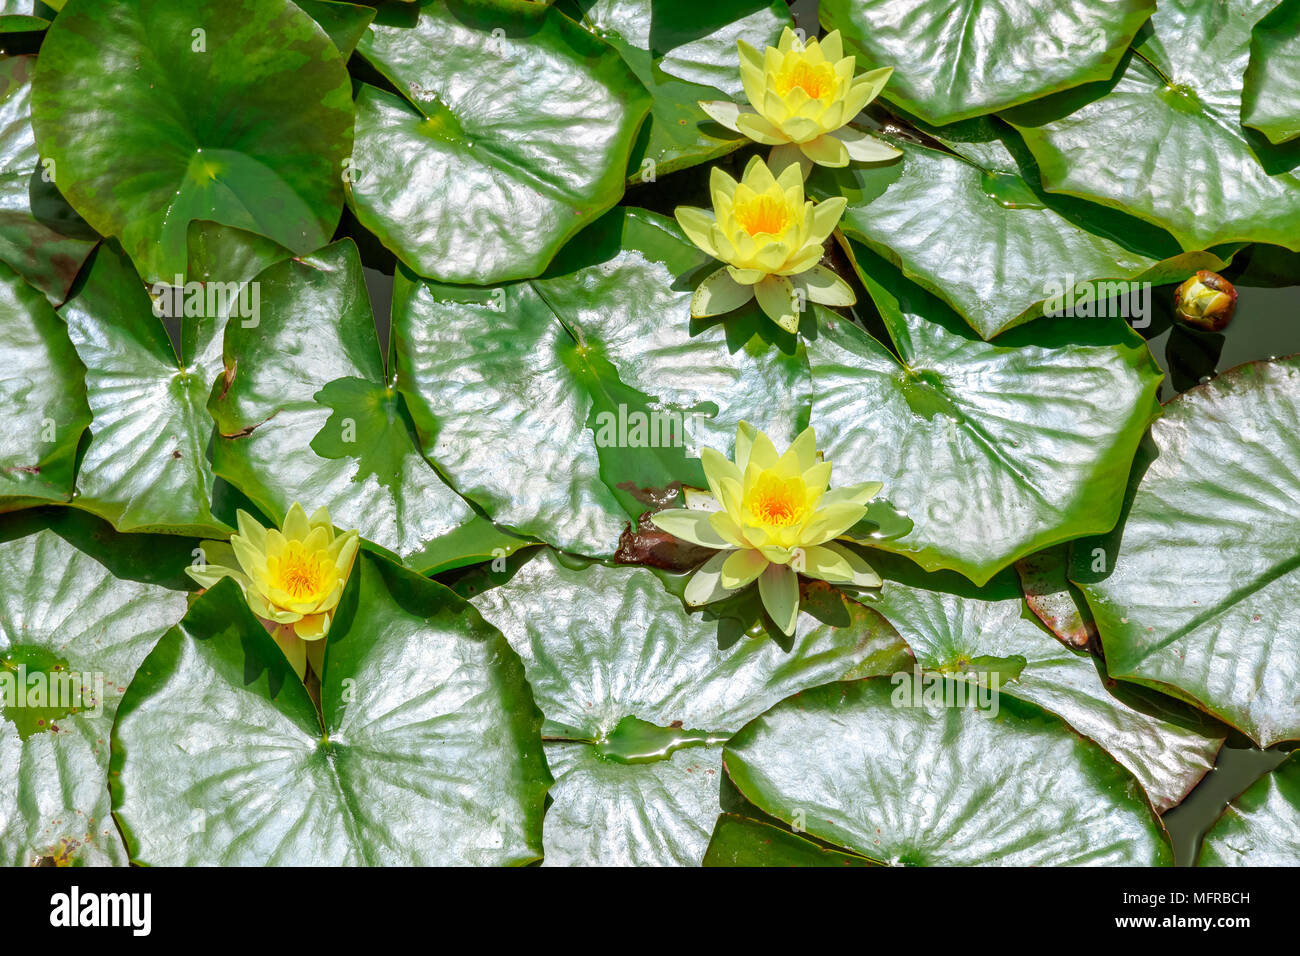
1195 591
517 134
237 111
1262 826
934 785
429 755
1270 99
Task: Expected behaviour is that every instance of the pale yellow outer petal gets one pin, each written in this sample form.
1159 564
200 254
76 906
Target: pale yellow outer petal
776 297
832 45
250 530
719 294
824 287
864 576
760 130
723 112
831 521
826 216
692 526
752 73
698 226
705 586
827 151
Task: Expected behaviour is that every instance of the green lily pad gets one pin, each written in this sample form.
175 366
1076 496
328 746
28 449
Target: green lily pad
306 411
1195 590
616 662
41 238
932 785
984 237
428 753
237 111
1262 826
18 16
682 52
80 607
1270 99
956 60
146 466
955 628
1174 105
741 841
43 392
561 405
516 133
994 449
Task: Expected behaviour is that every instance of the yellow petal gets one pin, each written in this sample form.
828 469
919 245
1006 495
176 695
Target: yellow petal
826 150
698 226
296 525
760 130
742 567
752 75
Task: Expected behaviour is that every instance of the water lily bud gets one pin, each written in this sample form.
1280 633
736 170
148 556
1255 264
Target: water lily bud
1206 301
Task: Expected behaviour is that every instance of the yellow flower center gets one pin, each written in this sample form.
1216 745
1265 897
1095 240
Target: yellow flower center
762 214
775 501
816 80
300 574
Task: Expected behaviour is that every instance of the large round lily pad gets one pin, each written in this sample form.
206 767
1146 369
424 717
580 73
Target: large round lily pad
1196 592
639 697
981 234
955 628
80 607
933 785
1270 99
306 411
563 405
994 449
1173 106
515 132
237 111
428 751
955 60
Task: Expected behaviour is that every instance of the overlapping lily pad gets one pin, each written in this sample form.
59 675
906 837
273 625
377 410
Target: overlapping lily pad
956 60
564 405
682 52
1174 105
428 751
982 235
43 392
306 411
1262 826
80 607
638 698
934 785
345 23
515 133
955 628
742 841
146 466
41 238
237 111
1271 95
1196 590
995 450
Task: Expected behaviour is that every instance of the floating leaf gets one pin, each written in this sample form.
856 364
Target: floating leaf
682 52
517 134
146 467
1270 99
741 841
935 785
428 753
306 412
955 60
955 628
41 238
616 664
240 112
1195 590
560 405
43 392
1173 106
988 241
80 607
994 450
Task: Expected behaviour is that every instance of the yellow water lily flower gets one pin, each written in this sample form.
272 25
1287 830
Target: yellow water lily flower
771 241
772 518
292 578
803 96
